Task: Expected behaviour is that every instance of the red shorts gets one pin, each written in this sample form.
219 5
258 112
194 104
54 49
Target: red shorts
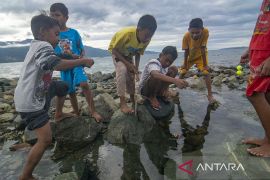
257 83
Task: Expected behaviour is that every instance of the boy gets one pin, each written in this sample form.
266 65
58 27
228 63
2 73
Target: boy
70 45
35 88
194 44
125 44
157 77
258 86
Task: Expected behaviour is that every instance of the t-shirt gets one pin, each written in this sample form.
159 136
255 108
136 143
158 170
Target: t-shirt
194 46
70 42
127 43
152 65
261 36
35 77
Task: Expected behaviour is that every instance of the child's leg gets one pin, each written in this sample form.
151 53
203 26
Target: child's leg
89 98
44 140
74 103
121 79
59 89
258 141
262 107
151 89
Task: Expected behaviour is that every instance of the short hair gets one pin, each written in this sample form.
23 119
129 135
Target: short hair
59 7
196 23
170 50
42 21
147 22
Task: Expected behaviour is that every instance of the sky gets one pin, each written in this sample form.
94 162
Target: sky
230 22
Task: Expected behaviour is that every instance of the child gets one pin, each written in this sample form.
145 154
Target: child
157 77
35 88
194 44
70 45
125 44
258 87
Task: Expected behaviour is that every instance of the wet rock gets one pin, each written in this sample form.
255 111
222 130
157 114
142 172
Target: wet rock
4 107
8 97
229 71
6 117
167 108
93 86
67 176
76 132
96 77
105 106
125 128
217 81
196 83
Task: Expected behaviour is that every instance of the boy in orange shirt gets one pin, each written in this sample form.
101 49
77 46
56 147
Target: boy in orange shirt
194 44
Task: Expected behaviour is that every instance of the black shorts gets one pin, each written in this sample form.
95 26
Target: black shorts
37 119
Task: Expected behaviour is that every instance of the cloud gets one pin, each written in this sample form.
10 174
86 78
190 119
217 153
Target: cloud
230 21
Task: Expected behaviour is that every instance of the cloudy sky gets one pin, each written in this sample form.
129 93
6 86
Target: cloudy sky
230 22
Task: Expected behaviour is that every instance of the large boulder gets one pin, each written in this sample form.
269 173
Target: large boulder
167 108
126 128
76 132
105 106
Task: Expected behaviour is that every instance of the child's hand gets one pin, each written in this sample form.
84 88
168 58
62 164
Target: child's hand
88 62
131 68
74 56
244 58
180 83
264 68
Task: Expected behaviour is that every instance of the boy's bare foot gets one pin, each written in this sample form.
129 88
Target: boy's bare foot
125 109
97 117
262 151
255 141
15 147
154 103
59 118
27 178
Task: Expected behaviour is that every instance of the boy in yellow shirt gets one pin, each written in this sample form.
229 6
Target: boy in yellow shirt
126 43
194 44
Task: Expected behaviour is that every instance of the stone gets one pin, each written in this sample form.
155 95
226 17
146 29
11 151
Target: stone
167 108
6 117
107 76
4 107
67 176
96 77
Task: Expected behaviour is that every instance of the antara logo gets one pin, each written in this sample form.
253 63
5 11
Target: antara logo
211 167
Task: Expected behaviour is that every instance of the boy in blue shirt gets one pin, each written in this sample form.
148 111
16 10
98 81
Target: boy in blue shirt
71 46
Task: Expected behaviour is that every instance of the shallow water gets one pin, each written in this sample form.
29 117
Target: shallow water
216 139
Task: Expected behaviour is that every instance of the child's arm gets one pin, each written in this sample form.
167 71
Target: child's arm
204 57
178 82
186 54
67 64
129 66
264 68
245 57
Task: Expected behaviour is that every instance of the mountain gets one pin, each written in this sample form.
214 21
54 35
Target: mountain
15 51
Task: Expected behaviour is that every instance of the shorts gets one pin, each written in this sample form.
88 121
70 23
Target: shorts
73 77
199 65
257 83
37 119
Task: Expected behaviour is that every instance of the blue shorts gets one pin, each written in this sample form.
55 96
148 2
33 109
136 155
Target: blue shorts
73 77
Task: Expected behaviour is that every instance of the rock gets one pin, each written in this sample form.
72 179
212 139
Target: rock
105 106
167 108
232 79
125 128
229 71
8 97
217 81
4 107
107 76
93 86
196 83
67 176
19 123
96 77
75 132
6 117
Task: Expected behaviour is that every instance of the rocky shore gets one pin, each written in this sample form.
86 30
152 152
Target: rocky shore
77 132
